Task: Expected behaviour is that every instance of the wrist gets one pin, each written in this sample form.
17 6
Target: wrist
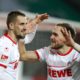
37 20
75 45
21 40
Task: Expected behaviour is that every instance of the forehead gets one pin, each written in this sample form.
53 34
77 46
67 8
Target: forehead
56 29
22 18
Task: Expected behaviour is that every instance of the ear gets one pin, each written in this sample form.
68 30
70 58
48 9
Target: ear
11 26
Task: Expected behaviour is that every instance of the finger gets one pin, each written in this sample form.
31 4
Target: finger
42 16
70 34
64 32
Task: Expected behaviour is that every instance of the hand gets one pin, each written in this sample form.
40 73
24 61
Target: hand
68 38
39 18
31 26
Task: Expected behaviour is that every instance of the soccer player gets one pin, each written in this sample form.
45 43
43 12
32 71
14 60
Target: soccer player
18 26
58 56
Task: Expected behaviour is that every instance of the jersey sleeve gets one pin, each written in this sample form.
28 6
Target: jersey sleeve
41 53
4 56
29 37
76 57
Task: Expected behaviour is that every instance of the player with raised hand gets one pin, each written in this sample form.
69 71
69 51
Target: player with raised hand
58 56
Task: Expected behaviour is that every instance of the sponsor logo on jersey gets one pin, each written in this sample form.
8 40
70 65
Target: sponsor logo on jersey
61 73
4 57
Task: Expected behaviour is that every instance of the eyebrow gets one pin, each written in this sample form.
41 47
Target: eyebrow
23 23
54 33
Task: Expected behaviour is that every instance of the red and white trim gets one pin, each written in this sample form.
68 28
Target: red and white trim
37 55
2 65
9 38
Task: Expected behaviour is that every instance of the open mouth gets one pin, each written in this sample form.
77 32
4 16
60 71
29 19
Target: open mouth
23 30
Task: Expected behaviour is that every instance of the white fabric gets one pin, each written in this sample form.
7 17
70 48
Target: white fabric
29 37
9 57
59 66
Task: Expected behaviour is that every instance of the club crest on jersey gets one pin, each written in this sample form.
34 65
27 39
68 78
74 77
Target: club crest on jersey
69 63
6 49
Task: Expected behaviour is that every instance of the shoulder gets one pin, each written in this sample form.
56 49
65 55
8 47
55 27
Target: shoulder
74 53
74 50
4 42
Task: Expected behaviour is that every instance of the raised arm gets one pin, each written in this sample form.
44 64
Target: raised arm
30 55
69 40
38 19
32 26
24 54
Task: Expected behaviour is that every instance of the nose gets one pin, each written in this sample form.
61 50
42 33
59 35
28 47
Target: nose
24 28
25 25
51 37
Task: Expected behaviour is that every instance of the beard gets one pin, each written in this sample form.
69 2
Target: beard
57 47
20 37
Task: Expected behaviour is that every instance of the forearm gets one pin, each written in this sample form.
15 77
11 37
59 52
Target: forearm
24 54
35 21
22 50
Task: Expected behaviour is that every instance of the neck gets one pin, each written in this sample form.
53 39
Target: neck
64 49
12 36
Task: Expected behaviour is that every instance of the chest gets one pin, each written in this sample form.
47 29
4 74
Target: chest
14 56
59 61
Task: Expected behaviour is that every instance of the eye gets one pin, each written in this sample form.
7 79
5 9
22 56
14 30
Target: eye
55 34
21 23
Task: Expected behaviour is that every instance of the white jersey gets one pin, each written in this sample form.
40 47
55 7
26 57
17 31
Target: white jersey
58 65
9 58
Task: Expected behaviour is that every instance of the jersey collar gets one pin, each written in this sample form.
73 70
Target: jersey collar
54 51
9 38
68 52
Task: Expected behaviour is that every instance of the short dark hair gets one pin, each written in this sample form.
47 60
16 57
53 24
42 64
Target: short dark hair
13 15
69 28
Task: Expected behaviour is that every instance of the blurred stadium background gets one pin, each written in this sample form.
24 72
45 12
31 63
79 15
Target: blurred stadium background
60 11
